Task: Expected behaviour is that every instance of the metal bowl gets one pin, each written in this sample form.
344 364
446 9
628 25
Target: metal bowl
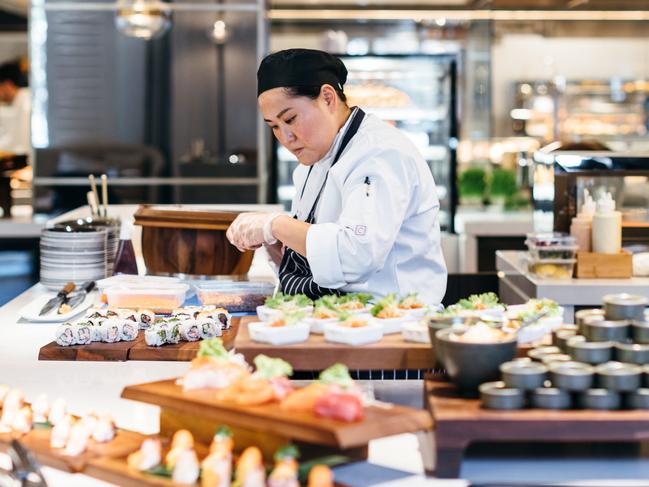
640 331
584 314
624 306
601 399
638 399
550 398
619 377
539 352
560 338
523 375
632 353
572 376
496 395
590 352
606 330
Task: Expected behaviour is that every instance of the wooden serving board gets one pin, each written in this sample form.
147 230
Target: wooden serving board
135 350
391 353
378 421
38 441
460 421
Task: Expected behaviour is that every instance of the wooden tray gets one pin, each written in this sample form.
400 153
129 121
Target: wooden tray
38 441
459 422
135 350
202 404
391 353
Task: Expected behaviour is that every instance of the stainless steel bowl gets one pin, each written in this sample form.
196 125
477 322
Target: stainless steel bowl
601 399
550 398
606 330
582 315
632 353
640 331
619 377
572 376
590 352
638 399
523 375
624 306
496 395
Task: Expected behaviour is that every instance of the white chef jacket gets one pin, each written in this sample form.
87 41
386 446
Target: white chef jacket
15 123
376 225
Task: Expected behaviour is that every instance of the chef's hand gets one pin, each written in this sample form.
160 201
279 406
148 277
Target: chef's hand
252 229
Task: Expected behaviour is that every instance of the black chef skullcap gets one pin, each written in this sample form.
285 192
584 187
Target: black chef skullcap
300 67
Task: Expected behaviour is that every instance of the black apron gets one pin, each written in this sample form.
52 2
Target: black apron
295 276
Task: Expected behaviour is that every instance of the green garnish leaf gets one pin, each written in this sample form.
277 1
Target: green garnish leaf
287 452
270 368
337 374
212 348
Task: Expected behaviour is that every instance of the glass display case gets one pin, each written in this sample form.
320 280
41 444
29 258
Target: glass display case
561 177
416 93
575 109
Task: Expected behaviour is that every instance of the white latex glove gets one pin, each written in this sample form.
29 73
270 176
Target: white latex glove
251 230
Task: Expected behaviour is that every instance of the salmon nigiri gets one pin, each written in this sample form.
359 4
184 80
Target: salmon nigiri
250 469
217 466
182 441
320 476
148 456
285 472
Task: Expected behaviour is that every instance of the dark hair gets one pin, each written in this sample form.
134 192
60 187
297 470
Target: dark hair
12 72
313 92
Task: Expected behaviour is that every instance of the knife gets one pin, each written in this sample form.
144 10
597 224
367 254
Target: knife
75 298
57 300
25 467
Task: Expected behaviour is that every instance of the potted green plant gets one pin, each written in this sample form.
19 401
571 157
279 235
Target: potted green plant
502 186
472 185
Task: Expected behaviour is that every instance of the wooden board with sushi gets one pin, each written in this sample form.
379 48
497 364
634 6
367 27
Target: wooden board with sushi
220 387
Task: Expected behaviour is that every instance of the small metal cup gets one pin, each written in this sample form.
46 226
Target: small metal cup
606 331
640 331
496 395
632 353
560 338
584 314
523 375
590 352
624 306
619 377
601 399
638 399
539 352
550 398
572 376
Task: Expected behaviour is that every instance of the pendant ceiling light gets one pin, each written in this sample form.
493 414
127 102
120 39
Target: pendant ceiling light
142 19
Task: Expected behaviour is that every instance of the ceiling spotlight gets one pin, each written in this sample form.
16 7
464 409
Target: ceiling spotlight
219 33
142 19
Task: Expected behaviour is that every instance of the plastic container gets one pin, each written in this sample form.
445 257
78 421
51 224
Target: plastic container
232 295
552 268
157 300
553 252
607 227
549 239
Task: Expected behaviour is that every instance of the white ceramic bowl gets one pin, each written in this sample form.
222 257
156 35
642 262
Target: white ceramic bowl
317 325
278 335
414 331
391 325
270 314
371 333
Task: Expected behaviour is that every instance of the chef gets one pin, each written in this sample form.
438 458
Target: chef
365 214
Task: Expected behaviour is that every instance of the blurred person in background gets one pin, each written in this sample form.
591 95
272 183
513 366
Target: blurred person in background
15 111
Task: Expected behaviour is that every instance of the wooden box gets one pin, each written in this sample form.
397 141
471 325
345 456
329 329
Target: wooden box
178 240
594 265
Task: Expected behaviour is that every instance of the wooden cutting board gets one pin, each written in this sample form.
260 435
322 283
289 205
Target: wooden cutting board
135 350
460 422
391 353
301 426
38 441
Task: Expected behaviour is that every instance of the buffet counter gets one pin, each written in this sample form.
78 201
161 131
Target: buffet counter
516 285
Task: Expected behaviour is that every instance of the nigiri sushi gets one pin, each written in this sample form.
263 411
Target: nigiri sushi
78 439
41 408
285 472
23 420
148 456
320 476
57 411
181 441
216 468
250 469
14 401
61 432
104 430
4 389
207 372
186 469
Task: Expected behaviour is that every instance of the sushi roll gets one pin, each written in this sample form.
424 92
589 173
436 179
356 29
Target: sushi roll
41 408
95 313
173 334
129 330
146 318
129 314
148 456
111 313
187 468
223 317
65 335
61 432
208 328
95 331
155 336
82 333
111 330
190 330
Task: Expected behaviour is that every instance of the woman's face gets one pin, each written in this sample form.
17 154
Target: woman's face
306 127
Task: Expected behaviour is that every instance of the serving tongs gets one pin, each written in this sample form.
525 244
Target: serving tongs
25 470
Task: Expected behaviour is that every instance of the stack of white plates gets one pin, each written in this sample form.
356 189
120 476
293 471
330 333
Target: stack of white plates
112 226
73 255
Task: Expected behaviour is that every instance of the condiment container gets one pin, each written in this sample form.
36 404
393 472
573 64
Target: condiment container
550 398
607 227
606 331
624 306
640 331
590 352
616 376
523 375
583 314
496 395
560 338
599 399
581 225
555 357
572 376
538 352
632 353
638 399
